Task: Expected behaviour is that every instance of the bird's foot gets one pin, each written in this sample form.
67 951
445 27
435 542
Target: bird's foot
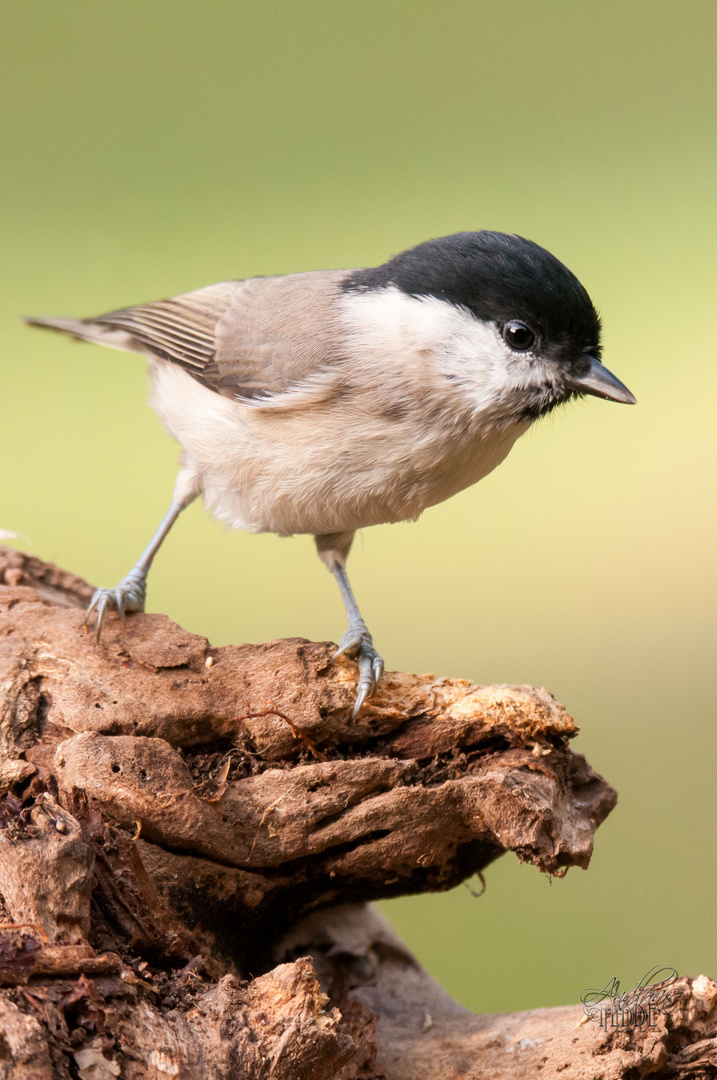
128 596
358 644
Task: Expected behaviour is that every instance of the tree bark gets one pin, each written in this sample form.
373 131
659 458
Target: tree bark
189 836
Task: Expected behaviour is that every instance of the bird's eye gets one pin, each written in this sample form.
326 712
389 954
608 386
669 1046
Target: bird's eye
519 336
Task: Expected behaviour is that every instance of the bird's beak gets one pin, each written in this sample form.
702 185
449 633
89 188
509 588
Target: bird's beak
601 383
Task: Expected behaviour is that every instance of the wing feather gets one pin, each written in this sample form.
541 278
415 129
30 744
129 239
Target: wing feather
266 341
180 329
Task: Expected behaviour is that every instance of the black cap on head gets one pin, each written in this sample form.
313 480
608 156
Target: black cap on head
498 277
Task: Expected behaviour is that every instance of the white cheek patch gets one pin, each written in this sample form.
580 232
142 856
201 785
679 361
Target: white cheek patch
461 348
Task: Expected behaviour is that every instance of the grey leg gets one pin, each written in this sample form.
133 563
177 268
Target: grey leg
129 595
357 641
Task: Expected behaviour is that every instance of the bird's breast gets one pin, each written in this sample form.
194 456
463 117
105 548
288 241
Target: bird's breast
355 459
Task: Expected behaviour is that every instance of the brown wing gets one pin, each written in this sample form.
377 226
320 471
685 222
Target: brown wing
250 339
180 329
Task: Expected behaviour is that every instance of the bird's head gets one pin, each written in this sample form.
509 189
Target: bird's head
536 331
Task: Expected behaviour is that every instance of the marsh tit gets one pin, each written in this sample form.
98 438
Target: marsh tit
326 401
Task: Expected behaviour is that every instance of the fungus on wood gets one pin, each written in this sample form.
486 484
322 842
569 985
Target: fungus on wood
190 836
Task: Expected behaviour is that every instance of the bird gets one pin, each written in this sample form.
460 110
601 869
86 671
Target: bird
327 401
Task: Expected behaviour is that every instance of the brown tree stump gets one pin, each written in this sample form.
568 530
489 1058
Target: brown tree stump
189 837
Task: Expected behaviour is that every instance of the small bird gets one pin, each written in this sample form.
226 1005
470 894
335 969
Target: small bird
326 401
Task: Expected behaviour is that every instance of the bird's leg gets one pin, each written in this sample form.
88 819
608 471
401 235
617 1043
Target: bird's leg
357 641
130 593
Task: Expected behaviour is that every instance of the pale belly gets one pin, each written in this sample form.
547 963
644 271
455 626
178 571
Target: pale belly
318 470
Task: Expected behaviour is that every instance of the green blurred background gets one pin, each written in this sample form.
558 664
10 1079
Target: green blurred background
151 148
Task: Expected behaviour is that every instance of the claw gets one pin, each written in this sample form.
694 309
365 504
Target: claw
358 644
91 607
360 699
127 597
352 642
102 606
378 670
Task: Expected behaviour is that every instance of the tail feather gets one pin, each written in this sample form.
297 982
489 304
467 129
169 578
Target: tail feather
87 330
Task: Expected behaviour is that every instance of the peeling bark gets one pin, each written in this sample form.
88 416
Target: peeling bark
177 818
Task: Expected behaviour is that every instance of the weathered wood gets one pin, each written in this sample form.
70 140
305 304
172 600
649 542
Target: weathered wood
176 818
95 1029
424 1035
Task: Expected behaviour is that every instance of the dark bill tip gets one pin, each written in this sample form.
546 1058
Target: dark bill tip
599 382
